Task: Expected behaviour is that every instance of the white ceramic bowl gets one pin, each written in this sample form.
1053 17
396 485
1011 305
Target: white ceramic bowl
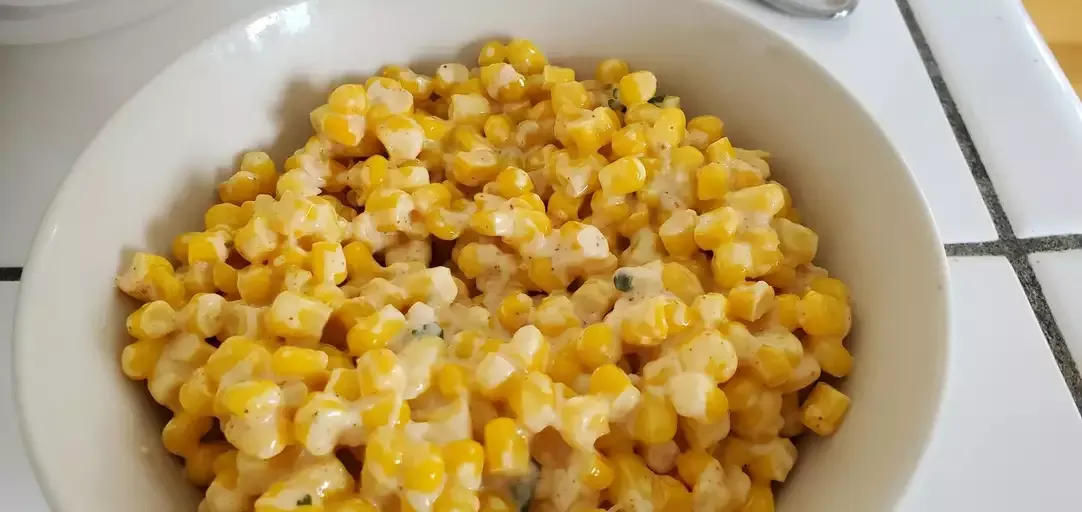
150 173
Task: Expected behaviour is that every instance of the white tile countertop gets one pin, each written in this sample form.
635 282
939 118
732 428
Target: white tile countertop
967 93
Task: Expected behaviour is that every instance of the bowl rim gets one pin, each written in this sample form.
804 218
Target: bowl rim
33 270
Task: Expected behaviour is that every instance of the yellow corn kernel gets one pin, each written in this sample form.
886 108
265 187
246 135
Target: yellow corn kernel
152 320
514 311
469 109
375 331
742 390
704 130
353 504
568 97
360 264
610 71
348 99
624 176
329 264
668 130
654 421
696 396
750 301
823 315
506 450
256 284
760 498
475 168
423 472
225 215
342 128
650 326
293 315
766 200
731 264
632 481
762 420
720 151
629 140
198 466
773 460
525 57
182 433
830 286
691 464
831 355
772 365
196 395
225 278
250 397
491 53
555 314
711 182
583 420
799 244
553 75
598 345
209 247
784 311
499 129
261 165
401 136
669 495
502 83
240 187
709 353
465 460
712 309
138 359
255 241
204 314
682 282
678 233
533 400
637 87
717 227
642 113
300 363
543 274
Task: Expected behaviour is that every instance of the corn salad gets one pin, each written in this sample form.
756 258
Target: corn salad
499 287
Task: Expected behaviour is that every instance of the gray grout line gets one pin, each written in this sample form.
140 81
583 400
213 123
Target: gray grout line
1039 303
958 126
993 248
1008 244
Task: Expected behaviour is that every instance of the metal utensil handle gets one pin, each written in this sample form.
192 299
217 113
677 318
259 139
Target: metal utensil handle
818 9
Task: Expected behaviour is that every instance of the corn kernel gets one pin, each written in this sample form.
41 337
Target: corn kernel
637 87
292 315
831 355
525 57
375 331
610 71
624 176
655 420
138 359
491 53
824 409
152 320
823 315
182 433
506 450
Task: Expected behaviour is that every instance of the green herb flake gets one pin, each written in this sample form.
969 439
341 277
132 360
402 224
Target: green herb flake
306 500
656 100
429 329
622 281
